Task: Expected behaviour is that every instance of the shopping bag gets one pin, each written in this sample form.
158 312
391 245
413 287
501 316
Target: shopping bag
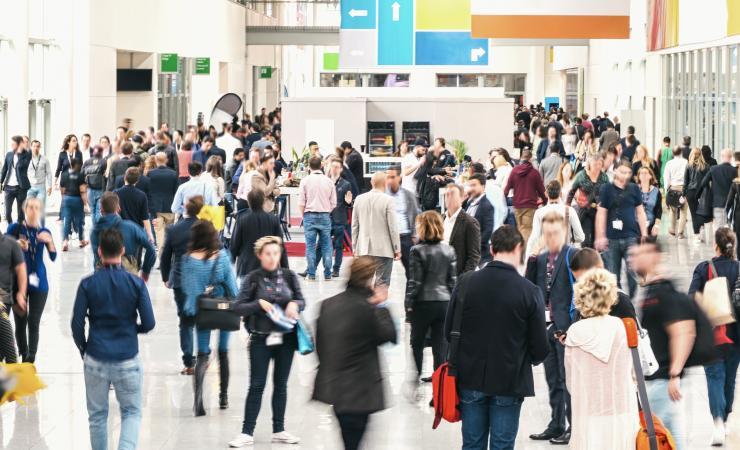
214 214
715 300
18 381
305 339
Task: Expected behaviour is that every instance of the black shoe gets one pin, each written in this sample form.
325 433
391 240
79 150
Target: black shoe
311 278
426 379
431 403
563 439
545 435
223 371
327 277
303 274
335 274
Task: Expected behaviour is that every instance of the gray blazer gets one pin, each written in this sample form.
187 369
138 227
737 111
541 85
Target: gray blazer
549 167
374 226
412 208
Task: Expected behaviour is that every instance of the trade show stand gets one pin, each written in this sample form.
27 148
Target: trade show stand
375 125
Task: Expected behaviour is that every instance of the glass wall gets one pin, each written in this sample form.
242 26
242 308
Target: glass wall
173 95
700 97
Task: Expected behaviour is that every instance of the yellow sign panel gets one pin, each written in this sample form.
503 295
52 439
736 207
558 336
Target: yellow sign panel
733 17
443 15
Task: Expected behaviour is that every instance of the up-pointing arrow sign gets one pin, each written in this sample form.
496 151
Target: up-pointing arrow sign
358 12
396 11
476 53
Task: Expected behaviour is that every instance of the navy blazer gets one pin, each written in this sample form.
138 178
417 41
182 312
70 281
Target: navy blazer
561 291
484 216
176 240
542 151
21 169
162 187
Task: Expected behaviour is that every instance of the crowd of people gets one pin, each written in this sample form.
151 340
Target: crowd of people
526 257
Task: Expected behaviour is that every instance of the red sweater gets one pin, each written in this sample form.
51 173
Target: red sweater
527 184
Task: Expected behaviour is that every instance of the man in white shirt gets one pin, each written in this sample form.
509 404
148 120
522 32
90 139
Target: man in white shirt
575 233
228 142
409 166
673 179
194 186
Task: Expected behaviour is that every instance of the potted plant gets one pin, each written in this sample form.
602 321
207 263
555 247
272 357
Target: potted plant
460 149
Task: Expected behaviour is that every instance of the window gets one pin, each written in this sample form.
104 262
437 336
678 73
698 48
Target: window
512 83
388 80
446 80
335 79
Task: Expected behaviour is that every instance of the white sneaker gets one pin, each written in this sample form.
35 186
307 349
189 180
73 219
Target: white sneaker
241 441
285 438
718 436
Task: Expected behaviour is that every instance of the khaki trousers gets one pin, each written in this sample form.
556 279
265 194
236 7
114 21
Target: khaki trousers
163 219
524 218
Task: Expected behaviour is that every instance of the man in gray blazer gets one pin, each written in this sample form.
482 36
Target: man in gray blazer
374 216
406 211
550 166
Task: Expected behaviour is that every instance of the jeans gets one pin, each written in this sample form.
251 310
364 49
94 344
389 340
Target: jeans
127 378
93 199
14 193
28 345
721 384
337 237
259 361
353 428
667 410
187 327
317 225
425 316
489 418
73 214
204 341
613 256
39 192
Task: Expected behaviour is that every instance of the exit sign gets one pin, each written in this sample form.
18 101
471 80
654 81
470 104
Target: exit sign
265 72
168 63
202 66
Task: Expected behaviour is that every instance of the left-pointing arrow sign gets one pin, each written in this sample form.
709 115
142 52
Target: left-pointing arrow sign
358 12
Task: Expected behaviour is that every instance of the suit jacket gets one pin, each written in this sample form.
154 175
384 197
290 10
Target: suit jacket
176 240
348 333
375 226
720 177
21 169
465 239
250 226
561 291
162 187
484 217
502 331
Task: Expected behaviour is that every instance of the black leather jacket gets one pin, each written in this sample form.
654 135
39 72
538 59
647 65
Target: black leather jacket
693 178
432 273
279 287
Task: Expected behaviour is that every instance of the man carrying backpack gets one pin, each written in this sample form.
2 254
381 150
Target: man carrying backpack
680 335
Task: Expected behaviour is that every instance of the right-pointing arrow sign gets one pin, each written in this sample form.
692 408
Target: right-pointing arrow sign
358 13
476 53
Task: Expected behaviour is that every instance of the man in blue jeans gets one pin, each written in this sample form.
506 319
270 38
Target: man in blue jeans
316 200
112 299
501 335
620 222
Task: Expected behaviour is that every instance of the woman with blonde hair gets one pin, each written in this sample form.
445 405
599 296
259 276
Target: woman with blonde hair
565 178
432 275
700 207
643 159
651 199
149 163
587 146
598 369
214 174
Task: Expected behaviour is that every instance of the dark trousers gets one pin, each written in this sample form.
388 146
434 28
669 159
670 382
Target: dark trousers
28 345
587 216
555 375
14 193
337 239
406 243
187 328
426 316
259 361
353 428
697 220
8 352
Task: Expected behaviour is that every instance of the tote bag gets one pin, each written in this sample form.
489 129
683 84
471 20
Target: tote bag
214 214
715 300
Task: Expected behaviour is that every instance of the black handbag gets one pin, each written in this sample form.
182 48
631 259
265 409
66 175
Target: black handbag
673 198
214 313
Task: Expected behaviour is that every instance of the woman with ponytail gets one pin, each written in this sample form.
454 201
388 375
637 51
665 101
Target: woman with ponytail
721 373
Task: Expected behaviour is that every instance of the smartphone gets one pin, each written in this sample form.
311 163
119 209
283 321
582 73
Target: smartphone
559 334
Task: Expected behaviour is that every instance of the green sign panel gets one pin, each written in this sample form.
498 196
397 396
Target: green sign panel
331 61
168 63
265 72
202 66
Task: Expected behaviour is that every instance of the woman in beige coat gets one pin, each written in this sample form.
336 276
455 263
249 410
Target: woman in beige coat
266 180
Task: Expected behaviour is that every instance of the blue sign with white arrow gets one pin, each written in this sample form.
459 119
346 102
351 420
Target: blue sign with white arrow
450 48
395 32
358 14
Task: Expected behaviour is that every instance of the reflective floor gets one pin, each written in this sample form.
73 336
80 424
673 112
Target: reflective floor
57 418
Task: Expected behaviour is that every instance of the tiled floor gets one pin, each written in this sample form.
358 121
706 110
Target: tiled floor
57 417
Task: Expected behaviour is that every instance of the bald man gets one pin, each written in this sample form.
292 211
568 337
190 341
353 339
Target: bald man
719 180
162 187
374 216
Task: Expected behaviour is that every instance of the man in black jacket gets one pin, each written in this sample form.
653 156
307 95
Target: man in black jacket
162 188
14 178
250 226
550 272
176 241
356 165
502 336
119 166
340 214
461 231
719 179
435 171
480 208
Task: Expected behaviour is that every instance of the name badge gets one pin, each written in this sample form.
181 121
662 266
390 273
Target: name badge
617 225
547 316
33 280
274 339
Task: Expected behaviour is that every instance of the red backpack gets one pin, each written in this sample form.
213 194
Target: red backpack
444 382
